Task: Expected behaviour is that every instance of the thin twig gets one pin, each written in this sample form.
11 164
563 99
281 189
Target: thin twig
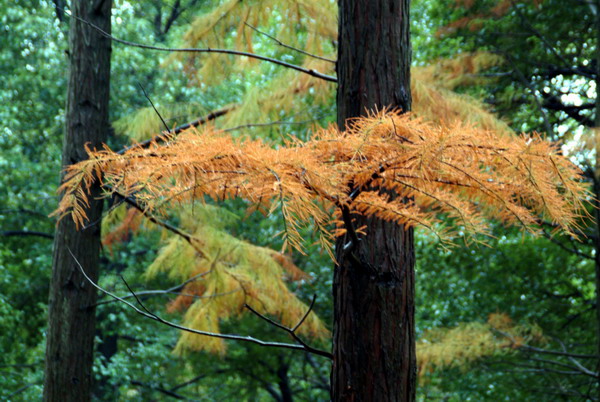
280 43
168 130
272 123
292 332
568 249
158 389
157 318
9 233
310 72
172 290
545 351
310 307
179 129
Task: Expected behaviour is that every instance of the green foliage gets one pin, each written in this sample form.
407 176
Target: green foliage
534 281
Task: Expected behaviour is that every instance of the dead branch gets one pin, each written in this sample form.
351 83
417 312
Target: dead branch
292 331
310 72
148 314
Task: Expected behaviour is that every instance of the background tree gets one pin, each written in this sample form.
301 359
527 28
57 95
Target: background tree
546 83
72 316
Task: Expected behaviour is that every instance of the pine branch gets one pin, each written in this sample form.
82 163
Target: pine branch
148 314
310 72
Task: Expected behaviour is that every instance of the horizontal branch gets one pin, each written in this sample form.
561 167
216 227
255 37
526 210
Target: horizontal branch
310 72
546 351
172 290
9 233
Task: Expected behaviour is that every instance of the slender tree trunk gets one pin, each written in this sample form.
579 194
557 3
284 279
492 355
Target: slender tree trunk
596 188
373 290
71 323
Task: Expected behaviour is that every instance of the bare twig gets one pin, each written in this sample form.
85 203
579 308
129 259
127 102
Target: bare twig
280 43
158 389
24 211
171 290
9 233
292 331
179 129
166 225
545 351
167 129
146 313
310 72
568 249
272 123
22 389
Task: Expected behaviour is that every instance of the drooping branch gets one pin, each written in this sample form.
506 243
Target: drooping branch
145 312
462 172
310 72
292 331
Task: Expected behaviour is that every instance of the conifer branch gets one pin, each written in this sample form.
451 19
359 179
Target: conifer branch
310 72
280 43
153 316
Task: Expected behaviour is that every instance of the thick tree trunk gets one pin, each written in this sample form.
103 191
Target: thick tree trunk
374 340
71 322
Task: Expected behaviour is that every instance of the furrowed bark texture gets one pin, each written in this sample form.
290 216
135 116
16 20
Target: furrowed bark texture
71 323
374 339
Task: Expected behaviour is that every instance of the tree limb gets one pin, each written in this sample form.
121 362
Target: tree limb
9 233
148 314
310 72
292 331
280 43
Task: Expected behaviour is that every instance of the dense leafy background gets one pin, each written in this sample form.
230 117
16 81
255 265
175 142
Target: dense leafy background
533 280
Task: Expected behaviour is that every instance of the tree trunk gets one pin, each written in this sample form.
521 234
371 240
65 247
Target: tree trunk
71 322
596 179
373 290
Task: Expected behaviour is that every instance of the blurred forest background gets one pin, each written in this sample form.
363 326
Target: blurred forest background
515 319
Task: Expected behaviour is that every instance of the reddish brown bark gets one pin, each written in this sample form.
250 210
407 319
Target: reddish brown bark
71 322
374 339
